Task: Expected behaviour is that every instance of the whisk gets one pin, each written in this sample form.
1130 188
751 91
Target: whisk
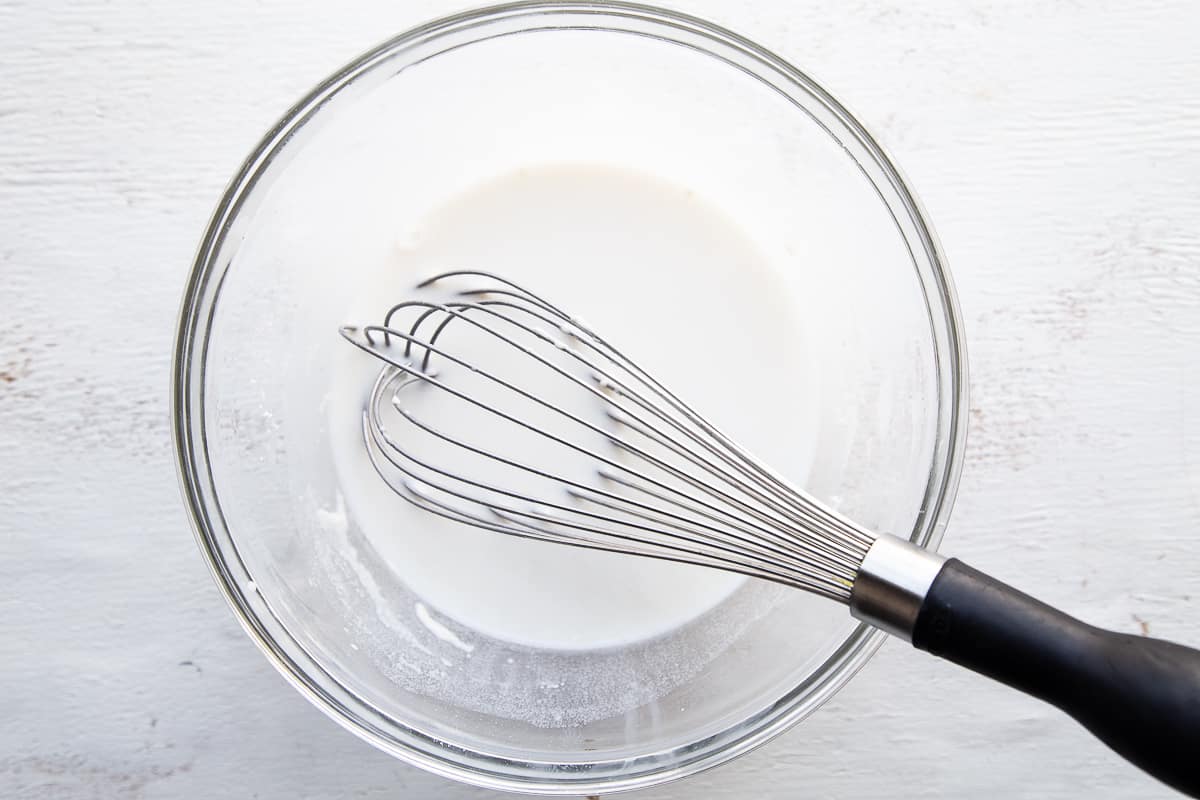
496 409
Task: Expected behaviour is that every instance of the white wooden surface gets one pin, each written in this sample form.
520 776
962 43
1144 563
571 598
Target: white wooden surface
1057 147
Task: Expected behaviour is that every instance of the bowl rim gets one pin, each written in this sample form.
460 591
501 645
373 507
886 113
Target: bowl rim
304 671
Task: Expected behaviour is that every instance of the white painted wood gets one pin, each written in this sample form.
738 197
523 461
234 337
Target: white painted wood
1057 147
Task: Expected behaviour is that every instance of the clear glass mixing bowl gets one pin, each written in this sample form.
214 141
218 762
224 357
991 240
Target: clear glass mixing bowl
423 117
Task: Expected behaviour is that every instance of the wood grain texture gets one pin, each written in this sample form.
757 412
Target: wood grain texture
1057 148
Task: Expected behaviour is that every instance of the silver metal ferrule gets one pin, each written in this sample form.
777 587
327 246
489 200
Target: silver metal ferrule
892 583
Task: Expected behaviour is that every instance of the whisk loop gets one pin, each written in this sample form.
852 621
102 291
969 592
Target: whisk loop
497 409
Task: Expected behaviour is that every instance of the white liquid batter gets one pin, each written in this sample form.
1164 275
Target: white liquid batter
665 277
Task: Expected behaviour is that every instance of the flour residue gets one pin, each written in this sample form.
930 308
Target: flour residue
439 630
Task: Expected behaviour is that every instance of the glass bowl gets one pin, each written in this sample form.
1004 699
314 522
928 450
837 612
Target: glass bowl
318 208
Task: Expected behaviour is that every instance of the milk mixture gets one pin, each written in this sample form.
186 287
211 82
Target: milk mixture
664 276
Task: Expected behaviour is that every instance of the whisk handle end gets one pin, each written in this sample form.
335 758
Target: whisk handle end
1138 695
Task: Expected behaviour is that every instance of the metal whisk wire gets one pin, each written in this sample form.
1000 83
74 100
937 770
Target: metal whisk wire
660 480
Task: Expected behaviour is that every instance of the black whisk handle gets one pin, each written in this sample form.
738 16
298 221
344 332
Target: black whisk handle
1140 696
